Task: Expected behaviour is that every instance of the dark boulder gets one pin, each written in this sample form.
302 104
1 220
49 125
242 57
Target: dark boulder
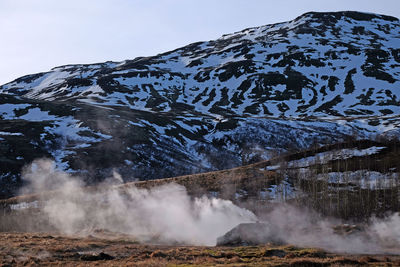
99 257
249 234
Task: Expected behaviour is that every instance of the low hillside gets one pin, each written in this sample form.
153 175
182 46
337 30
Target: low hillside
350 180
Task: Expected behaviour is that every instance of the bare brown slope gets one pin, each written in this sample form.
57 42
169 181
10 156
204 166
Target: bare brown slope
249 177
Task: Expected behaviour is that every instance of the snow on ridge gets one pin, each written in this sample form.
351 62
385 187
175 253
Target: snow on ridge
365 179
25 205
12 134
325 157
7 110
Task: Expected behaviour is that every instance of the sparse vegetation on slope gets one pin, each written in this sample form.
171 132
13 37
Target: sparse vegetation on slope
34 249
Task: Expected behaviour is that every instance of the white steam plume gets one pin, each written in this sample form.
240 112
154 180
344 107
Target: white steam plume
306 228
163 214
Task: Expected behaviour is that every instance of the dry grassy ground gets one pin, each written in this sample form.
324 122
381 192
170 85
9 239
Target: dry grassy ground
34 249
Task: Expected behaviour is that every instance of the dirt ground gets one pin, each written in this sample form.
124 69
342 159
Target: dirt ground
38 249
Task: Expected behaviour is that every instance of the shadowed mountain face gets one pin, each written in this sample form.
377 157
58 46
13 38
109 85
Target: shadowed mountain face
209 105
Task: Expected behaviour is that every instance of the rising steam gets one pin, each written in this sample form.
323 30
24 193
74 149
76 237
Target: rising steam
164 214
303 227
167 214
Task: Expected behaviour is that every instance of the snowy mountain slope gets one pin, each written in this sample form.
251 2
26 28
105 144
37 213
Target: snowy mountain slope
344 63
94 142
209 105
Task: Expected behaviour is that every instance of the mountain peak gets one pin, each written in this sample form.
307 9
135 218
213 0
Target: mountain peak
355 15
338 25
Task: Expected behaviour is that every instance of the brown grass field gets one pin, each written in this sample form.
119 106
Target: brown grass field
39 249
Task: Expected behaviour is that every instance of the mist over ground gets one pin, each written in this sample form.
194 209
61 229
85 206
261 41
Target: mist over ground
165 214
168 215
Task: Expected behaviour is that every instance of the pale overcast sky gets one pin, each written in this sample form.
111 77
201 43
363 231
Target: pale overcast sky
37 35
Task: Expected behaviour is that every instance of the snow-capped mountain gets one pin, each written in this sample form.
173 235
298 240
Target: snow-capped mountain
343 63
210 105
